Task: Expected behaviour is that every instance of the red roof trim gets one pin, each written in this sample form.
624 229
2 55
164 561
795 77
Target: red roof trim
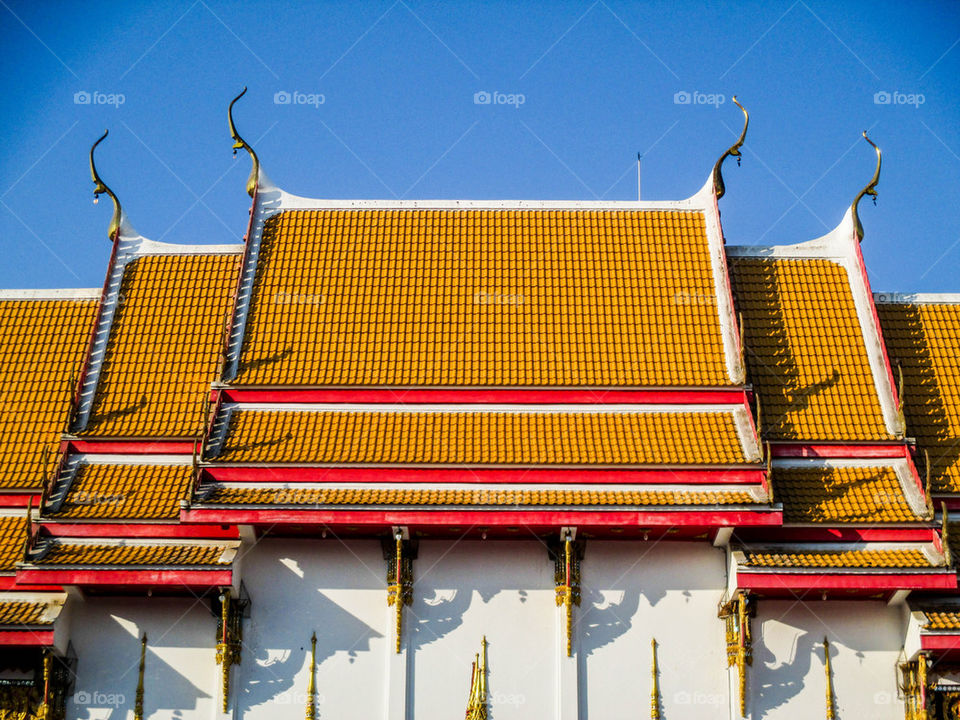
441 518
26 638
123 529
261 474
119 577
908 580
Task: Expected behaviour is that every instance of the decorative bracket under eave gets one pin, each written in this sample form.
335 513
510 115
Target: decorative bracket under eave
915 687
736 614
229 639
399 555
100 188
870 189
567 554
239 142
733 151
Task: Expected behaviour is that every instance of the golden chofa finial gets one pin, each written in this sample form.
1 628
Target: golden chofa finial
733 151
870 189
239 142
100 188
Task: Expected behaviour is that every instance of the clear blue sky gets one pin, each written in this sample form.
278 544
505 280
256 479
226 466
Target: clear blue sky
398 117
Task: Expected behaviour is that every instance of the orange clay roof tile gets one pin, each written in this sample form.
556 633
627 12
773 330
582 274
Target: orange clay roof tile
13 534
484 298
42 344
841 495
538 438
805 350
21 612
911 558
64 553
946 619
925 340
478 497
141 492
164 346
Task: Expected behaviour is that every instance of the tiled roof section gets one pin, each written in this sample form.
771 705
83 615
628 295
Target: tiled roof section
477 497
912 558
18 612
925 340
13 533
805 350
42 344
942 619
527 438
484 298
168 554
164 346
841 495
140 492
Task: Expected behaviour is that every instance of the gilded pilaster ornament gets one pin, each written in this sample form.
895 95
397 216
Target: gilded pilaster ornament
138 699
477 700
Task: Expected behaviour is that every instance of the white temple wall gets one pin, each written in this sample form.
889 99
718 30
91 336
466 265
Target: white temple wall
632 592
787 679
636 591
180 677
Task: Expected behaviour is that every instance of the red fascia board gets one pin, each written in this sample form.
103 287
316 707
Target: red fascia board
760 582
598 396
866 451
941 642
837 535
191 579
132 447
435 518
265 474
127 530
9 582
19 499
26 638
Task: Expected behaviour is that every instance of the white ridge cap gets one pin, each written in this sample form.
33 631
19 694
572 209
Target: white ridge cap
51 294
918 298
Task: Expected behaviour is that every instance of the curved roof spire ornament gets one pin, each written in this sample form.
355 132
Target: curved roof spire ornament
870 189
733 151
239 142
100 188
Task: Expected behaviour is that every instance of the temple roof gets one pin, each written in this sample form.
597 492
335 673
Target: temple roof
42 339
806 350
511 297
13 533
847 492
164 342
480 435
109 491
923 338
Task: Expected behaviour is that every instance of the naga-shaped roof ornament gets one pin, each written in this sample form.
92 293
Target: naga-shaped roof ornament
733 151
870 189
100 188
239 142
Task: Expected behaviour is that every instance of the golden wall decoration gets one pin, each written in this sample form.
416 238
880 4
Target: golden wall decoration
311 713
399 579
138 699
915 688
229 641
567 557
655 683
477 700
831 707
736 614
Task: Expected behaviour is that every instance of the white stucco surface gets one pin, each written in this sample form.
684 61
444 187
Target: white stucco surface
632 592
